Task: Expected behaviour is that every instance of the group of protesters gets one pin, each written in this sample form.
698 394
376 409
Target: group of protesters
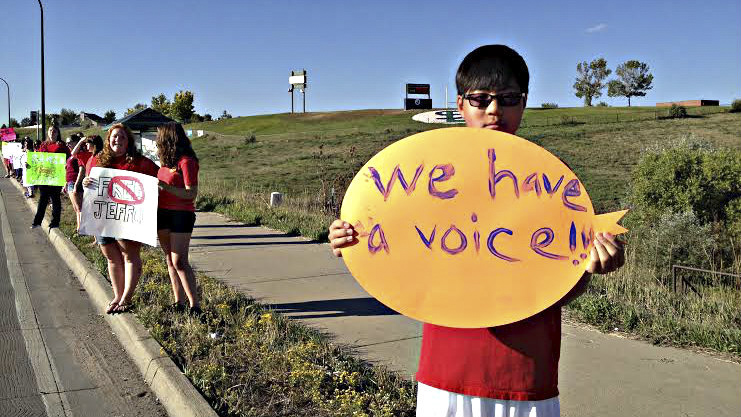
15 167
178 186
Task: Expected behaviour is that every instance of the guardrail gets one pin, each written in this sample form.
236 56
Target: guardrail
684 283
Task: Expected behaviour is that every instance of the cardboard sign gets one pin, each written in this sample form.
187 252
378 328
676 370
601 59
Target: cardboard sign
9 149
469 228
122 204
7 135
45 168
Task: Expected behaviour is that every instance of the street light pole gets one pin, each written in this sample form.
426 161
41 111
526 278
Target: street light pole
43 102
6 84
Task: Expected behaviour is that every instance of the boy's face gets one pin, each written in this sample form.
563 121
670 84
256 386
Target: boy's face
494 116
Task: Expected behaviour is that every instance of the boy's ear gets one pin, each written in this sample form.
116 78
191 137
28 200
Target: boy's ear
459 103
524 101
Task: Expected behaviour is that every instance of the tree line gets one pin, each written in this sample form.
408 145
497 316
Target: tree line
633 80
180 108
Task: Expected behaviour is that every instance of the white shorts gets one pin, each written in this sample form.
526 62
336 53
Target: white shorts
433 402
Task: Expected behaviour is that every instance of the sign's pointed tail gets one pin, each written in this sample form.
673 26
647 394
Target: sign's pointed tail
608 222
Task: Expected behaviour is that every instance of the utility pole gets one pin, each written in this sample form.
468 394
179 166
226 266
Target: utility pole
6 84
43 97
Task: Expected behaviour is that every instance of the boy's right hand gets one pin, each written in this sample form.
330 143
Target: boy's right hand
341 235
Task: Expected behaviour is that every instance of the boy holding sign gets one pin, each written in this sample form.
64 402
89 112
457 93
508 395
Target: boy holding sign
509 370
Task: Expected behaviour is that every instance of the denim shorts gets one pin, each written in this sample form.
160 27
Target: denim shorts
70 187
104 240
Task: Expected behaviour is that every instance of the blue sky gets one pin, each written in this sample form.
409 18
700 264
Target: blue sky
237 55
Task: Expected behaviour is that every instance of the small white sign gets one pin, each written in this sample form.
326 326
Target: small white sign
439 116
297 79
121 204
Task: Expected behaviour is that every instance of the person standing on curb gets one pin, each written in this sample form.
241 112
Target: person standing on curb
53 144
178 184
123 255
79 157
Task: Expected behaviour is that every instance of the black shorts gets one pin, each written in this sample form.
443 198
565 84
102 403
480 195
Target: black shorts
176 221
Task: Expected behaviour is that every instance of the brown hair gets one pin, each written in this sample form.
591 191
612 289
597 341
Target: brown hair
173 144
106 155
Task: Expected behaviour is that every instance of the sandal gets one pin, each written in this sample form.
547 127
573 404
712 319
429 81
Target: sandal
123 308
111 307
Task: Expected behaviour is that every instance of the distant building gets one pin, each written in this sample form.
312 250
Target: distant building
143 125
690 103
94 119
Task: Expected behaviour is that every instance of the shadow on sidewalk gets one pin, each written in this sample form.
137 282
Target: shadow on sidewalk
232 225
232 244
255 236
367 306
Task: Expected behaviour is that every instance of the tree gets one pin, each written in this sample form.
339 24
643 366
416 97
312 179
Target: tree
207 117
161 104
225 115
68 117
14 123
633 80
26 121
182 106
109 116
136 108
590 79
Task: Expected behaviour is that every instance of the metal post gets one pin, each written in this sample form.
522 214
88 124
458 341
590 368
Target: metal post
6 84
43 91
291 91
303 93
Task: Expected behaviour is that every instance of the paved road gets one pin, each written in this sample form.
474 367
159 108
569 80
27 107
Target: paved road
600 375
58 356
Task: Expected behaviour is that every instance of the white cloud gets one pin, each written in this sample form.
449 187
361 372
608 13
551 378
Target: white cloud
598 28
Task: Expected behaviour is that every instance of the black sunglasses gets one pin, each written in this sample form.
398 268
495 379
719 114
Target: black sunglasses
482 100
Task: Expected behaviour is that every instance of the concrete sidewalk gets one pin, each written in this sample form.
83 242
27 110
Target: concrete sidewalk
599 374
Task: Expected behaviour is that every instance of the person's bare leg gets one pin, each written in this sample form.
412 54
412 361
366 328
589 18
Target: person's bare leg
177 289
76 206
179 245
116 272
132 266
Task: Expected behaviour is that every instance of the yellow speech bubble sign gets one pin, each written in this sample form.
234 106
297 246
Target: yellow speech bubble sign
469 228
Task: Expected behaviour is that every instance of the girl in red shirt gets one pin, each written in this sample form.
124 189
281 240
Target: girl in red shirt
53 144
176 211
124 260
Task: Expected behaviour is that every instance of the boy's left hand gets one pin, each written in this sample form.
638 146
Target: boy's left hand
608 254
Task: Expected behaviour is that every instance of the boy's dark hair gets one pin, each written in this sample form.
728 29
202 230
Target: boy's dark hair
491 67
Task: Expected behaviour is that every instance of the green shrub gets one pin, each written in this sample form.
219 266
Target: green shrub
686 175
602 104
677 112
674 239
735 106
549 106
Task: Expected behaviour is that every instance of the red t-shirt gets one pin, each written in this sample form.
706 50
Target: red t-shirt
185 173
75 162
83 157
54 147
72 168
518 361
142 165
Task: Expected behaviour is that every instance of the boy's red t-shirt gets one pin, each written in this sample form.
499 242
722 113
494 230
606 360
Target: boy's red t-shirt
518 361
185 173
141 164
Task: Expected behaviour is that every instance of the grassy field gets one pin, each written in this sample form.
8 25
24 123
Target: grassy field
307 156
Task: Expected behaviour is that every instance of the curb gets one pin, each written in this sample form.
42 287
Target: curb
173 389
